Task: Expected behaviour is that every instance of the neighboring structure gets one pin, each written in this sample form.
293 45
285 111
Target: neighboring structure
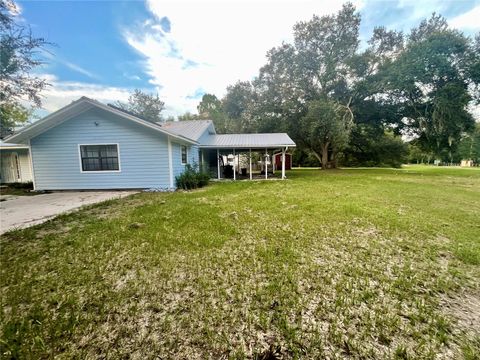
90 145
14 163
467 163
277 161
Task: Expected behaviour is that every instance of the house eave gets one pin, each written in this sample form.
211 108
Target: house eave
243 146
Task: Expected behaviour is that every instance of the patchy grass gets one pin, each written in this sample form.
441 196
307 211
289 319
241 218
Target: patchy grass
354 263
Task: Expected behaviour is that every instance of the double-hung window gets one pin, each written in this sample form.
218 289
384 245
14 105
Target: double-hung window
99 157
184 155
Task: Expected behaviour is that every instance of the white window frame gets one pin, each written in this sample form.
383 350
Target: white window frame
99 171
186 154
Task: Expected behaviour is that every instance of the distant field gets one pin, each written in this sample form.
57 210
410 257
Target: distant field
351 263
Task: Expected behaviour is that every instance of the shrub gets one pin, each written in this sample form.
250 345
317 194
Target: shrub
191 178
21 185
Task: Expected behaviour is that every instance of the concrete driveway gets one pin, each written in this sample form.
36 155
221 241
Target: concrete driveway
25 211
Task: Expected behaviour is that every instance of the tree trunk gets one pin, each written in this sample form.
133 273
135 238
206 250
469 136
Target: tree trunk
325 156
333 162
317 156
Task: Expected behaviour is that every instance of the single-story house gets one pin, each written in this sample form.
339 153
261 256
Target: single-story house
90 145
467 163
14 163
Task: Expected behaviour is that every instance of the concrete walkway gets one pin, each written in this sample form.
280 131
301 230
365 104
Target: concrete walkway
25 211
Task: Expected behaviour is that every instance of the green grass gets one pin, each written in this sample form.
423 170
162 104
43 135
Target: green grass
354 263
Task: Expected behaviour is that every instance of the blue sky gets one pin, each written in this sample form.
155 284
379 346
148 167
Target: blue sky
182 49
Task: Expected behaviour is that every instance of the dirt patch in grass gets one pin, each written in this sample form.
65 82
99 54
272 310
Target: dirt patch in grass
464 308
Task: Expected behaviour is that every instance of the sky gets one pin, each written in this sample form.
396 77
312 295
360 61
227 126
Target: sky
184 49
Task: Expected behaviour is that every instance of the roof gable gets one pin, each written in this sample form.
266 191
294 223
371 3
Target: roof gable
192 129
77 107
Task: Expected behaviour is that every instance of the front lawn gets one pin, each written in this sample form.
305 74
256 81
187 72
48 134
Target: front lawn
354 263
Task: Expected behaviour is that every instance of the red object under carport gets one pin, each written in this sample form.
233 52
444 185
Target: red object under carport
277 160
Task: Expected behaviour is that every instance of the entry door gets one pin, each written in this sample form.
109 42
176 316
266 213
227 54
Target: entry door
10 168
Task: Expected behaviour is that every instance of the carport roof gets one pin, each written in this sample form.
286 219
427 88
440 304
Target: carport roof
247 141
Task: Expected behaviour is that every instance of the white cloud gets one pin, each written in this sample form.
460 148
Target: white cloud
79 69
228 41
62 93
469 20
69 64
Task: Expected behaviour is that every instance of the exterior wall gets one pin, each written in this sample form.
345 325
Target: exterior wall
192 155
143 154
8 166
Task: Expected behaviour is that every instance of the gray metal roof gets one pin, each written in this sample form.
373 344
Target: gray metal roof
247 141
192 129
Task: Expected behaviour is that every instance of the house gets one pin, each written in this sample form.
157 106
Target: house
14 163
90 145
467 163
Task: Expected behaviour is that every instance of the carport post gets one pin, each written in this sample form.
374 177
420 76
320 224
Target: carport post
283 162
250 157
266 166
218 164
234 171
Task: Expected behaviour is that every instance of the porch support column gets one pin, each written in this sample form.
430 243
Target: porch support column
30 163
283 162
273 162
218 164
234 167
250 158
266 166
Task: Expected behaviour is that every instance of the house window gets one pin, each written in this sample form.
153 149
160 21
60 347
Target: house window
184 154
99 157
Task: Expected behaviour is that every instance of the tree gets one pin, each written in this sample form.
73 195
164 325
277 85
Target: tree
208 106
324 46
310 75
375 139
188 116
212 108
238 105
19 55
469 147
12 115
326 126
145 106
431 80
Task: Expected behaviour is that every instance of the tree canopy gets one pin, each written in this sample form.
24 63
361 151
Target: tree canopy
19 56
418 85
146 106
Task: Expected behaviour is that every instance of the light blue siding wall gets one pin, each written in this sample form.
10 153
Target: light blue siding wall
192 153
143 154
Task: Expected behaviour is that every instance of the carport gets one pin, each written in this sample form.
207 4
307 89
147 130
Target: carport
213 152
